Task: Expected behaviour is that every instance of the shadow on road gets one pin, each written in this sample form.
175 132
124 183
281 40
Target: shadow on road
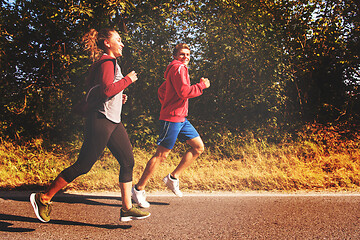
70 198
4 226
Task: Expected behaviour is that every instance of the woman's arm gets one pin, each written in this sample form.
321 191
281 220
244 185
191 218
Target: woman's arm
109 87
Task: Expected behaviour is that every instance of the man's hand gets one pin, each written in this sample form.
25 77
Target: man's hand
206 81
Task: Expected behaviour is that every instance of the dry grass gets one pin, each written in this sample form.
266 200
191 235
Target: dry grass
321 159
28 165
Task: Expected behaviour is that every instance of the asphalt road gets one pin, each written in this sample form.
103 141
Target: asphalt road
195 216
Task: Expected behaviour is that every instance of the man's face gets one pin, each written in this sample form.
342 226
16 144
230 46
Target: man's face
183 56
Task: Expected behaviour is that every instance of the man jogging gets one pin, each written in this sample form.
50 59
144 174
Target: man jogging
174 96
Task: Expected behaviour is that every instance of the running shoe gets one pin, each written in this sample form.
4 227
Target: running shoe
42 210
133 214
139 197
173 185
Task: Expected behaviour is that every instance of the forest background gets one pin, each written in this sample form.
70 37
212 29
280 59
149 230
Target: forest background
282 112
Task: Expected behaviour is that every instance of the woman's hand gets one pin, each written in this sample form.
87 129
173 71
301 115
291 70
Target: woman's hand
133 76
124 98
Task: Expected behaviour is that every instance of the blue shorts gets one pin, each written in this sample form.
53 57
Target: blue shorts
170 131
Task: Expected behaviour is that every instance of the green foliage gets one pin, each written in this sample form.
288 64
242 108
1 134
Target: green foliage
317 37
272 64
242 57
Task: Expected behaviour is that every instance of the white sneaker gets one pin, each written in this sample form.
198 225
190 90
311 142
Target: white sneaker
173 185
139 197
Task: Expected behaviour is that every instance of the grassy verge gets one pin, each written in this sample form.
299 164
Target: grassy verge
318 160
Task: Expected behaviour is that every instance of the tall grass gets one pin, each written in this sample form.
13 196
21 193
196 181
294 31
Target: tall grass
319 159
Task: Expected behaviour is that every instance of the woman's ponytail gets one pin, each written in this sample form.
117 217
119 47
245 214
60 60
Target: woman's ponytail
94 42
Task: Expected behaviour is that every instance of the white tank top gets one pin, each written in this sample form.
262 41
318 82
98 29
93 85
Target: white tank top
112 106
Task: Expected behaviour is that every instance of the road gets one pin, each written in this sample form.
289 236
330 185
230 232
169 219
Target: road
195 216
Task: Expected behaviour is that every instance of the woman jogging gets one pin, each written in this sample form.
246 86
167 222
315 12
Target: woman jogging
103 126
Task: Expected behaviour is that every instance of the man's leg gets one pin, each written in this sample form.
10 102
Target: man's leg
197 147
138 191
171 180
167 138
159 157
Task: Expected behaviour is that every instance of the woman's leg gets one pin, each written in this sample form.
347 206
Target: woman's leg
55 186
97 133
120 146
126 195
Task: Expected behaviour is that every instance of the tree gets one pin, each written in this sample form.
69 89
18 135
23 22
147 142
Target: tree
272 64
316 38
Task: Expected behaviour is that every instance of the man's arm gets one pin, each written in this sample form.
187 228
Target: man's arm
183 88
161 92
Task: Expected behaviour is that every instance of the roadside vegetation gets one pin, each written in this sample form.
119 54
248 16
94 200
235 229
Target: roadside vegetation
320 158
282 112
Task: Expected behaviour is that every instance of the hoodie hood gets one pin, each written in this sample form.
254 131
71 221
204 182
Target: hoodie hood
171 65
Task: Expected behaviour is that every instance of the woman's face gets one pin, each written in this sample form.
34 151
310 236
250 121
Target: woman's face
183 55
114 45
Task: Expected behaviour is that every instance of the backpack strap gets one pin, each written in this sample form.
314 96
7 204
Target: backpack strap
90 78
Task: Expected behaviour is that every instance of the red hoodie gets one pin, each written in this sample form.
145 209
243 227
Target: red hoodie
175 92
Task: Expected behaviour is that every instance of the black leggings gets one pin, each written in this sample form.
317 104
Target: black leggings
99 133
